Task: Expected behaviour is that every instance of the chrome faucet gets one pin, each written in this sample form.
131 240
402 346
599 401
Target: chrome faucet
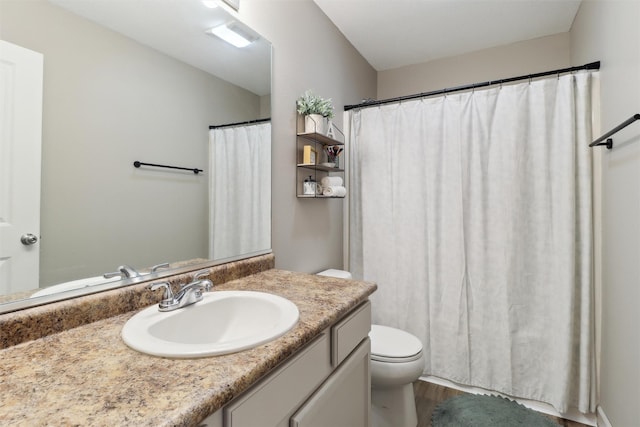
189 294
124 271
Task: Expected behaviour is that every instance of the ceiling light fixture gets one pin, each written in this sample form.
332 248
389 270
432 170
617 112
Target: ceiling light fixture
211 4
234 34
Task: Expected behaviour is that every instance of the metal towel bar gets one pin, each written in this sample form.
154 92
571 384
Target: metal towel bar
609 141
194 170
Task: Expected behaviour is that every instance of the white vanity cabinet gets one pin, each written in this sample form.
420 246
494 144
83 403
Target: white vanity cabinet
344 398
326 383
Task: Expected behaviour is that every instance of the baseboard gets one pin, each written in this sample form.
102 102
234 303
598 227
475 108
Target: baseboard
573 414
603 421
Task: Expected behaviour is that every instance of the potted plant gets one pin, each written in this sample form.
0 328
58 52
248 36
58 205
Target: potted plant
315 110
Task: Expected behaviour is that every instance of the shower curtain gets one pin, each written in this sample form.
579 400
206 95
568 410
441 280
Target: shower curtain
240 190
472 212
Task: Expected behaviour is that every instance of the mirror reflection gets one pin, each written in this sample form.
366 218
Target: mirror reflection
119 87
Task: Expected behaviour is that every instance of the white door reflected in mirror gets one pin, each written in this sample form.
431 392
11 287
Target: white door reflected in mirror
21 73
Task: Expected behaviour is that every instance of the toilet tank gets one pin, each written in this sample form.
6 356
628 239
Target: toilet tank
341 274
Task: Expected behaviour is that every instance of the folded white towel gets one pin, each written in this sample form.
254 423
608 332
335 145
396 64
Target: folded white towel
334 191
329 181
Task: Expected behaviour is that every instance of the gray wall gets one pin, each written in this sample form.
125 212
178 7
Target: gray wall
516 59
308 53
107 102
610 32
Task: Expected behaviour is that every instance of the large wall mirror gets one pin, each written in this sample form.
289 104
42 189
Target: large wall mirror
141 80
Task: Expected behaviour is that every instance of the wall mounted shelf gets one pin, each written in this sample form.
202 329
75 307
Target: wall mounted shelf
320 167
320 138
316 167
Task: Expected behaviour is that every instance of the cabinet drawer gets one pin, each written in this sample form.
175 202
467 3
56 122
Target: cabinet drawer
349 332
279 394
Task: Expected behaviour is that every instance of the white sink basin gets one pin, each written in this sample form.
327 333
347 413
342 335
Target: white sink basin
73 285
223 322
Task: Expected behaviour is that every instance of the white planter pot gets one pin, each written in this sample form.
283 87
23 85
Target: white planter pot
314 123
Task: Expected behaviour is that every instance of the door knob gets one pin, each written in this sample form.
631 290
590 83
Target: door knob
28 239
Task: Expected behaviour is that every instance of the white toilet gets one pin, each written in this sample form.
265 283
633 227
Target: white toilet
397 361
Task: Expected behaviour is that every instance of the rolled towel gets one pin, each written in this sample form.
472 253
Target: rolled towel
329 181
334 191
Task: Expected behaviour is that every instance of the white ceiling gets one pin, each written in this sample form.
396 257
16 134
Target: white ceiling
394 33
177 28
388 33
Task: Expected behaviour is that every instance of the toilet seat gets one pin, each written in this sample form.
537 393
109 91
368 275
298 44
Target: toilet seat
393 345
378 358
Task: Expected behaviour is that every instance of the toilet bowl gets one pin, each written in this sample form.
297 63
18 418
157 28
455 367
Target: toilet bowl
397 360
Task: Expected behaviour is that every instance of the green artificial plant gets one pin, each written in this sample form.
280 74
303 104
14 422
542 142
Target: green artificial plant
309 103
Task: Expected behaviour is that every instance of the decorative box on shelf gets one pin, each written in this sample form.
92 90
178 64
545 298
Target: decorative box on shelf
309 155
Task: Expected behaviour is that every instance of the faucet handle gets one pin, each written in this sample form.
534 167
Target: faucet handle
200 274
114 274
199 278
168 294
159 266
124 271
207 284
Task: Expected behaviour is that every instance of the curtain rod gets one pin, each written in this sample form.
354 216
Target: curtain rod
249 122
365 104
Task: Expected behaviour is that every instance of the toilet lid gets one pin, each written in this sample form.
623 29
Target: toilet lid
392 343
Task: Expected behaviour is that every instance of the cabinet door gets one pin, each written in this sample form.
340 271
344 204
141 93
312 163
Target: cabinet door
276 397
344 400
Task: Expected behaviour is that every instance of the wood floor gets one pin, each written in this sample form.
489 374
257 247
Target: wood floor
429 395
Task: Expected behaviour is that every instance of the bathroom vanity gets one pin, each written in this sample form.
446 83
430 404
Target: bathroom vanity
327 383
88 376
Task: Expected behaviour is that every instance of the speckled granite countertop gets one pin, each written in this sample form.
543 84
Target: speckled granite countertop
88 376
